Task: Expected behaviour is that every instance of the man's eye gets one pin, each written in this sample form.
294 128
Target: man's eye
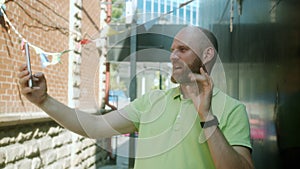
182 49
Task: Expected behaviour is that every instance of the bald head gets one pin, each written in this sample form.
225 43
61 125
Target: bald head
202 42
197 38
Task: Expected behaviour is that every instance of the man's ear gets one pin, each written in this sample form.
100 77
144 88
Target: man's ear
208 55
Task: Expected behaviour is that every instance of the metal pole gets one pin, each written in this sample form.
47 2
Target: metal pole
132 87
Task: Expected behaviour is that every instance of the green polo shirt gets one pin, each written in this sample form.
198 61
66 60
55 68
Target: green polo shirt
170 135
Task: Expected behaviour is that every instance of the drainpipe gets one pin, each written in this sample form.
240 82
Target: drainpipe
107 82
107 72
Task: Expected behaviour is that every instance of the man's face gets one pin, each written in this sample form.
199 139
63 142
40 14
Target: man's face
185 56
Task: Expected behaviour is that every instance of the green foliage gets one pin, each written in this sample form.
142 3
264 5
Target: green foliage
156 86
117 13
118 8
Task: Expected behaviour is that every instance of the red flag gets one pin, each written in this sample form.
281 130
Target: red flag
84 41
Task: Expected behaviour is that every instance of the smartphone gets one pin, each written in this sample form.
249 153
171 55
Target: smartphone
27 53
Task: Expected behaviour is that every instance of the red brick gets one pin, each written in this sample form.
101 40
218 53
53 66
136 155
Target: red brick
49 41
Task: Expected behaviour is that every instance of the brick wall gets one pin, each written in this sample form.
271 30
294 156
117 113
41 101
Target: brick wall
90 56
28 138
44 25
47 145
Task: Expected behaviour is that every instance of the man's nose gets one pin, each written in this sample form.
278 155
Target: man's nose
174 55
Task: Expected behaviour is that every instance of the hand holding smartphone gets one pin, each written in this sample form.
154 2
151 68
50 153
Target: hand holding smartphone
27 53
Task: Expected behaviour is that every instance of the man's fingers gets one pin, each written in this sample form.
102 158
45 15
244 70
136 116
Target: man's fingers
202 78
202 71
23 81
22 67
24 78
23 73
197 77
38 74
210 80
26 90
39 77
35 79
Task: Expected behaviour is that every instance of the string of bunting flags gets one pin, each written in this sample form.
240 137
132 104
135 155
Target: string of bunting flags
44 56
56 56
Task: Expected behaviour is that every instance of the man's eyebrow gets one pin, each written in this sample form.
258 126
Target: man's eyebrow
183 46
180 46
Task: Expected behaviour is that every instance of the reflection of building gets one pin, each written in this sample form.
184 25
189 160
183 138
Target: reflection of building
150 75
254 56
150 9
258 130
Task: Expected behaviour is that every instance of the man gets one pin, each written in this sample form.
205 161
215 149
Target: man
192 126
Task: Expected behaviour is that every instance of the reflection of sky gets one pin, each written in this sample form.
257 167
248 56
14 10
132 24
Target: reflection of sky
248 12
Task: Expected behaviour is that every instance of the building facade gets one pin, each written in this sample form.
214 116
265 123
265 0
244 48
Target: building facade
55 30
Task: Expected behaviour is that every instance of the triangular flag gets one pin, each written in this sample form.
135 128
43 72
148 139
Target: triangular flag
3 7
44 60
84 41
55 58
37 50
23 45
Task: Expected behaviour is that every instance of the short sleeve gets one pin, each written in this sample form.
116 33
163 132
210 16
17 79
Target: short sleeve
237 127
136 108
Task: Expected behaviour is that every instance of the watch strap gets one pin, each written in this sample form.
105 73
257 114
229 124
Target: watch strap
213 122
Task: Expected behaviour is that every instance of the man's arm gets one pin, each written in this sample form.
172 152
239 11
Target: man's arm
223 154
85 124
94 126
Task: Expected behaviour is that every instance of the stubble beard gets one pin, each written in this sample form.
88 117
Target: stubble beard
184 78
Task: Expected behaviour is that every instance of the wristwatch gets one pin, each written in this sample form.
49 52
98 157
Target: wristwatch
210 123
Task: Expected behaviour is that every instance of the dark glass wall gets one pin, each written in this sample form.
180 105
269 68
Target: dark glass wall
261 58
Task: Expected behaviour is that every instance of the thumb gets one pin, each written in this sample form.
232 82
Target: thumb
39 77
38 74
